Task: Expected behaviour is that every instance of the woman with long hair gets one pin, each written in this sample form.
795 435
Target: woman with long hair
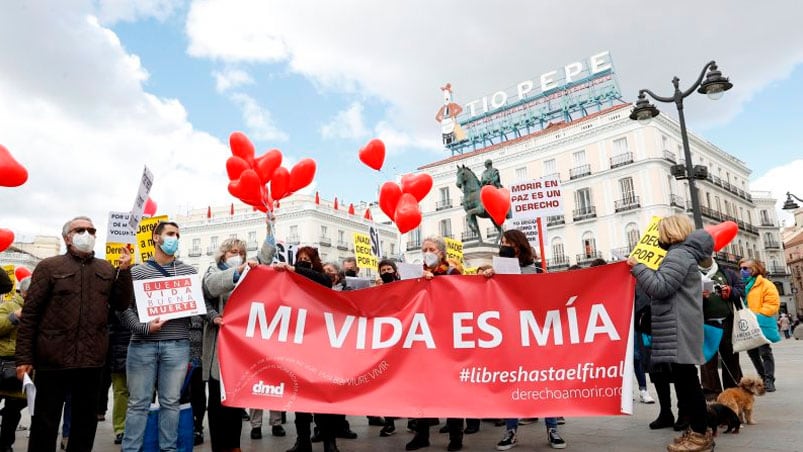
762 298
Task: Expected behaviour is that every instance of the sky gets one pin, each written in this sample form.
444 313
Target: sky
91 91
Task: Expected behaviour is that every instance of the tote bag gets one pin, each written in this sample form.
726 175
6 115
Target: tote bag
747 333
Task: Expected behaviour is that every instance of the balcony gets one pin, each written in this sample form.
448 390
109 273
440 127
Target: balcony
195 252
727 257
771 244
343 246
777 270
676 201
584 213
210 250
293 239
580 171
621 160
586 258
627 203
558 262
767 222
670 156
443 204
252 245
413 245
324 241
555 220
492 233
469 236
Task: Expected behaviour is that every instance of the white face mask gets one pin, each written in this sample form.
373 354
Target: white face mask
431 259
83 242
234 261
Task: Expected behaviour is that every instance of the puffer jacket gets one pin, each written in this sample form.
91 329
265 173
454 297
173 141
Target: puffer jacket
677 300
64 320
763 297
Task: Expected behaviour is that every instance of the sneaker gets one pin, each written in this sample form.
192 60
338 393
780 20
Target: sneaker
256 433
769 385
693 442
118 439
554 439
387 430
561 420
277 430
645 397
508 442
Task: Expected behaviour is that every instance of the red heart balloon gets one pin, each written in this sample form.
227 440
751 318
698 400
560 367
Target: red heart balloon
21 273
235 166
6 238
150 207
302 174
373 154
722 233
267 164
408 213
12 174
389 195
247 187
417 185
496 202
280 183
242 147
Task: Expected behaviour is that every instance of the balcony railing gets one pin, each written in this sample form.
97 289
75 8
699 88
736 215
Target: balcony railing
676 201
585 258
468 236
628 203
727 257
194 251
766 222
777 270
670 156
341 245
584 213
580 171
252 245
621 160
555 220
558 262
443 204
325 241
413 245
771 244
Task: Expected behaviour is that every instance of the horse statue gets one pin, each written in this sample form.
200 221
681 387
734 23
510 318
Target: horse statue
471 186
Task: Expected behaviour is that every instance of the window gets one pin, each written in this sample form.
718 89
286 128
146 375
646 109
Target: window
521 173
550 167
664 143
213 242
341 236
196 243
765 218
719 205
392 248
579 158
557 248
233 236
626 187
324 230
582 200
415 235
252 236
589 245
444 194
294 230
708 199
445 228
620 146
632 233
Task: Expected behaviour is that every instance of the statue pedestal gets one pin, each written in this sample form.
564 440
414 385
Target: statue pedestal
476 253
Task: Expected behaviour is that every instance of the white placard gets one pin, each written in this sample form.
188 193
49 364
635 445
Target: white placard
410 271
355 283
119 230
506 265
530 229
536 198
139 202
168 298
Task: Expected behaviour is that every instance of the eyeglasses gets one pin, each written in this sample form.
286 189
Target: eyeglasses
92 231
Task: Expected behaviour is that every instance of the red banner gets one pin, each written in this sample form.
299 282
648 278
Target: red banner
457 346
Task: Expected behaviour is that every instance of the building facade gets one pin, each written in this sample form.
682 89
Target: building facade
793 252
300 221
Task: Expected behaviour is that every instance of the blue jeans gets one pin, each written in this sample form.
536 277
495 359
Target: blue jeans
513 424
147 361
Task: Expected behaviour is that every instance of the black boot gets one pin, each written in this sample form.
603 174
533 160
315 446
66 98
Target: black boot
330 445
303 430
421 438
455 434
301 445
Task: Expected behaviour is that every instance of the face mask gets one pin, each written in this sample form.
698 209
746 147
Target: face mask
431 259
388 277
234 261
351 273
663 245
304 264
83 242
507 251
169 245
745 273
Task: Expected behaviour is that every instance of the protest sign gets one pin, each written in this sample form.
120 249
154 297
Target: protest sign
536 198
454 249
146 182
647 250
145 245
363 251
169 298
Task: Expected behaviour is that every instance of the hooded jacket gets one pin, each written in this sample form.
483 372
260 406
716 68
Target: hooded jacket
677 308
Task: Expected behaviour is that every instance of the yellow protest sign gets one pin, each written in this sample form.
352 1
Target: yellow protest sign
115 250
454 249
145 246
362 251
647 250
9 269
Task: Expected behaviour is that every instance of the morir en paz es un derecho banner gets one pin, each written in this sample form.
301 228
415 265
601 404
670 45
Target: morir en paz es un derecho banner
526 345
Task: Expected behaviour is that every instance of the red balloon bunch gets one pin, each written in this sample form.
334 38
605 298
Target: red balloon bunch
249 175
12 174
400 203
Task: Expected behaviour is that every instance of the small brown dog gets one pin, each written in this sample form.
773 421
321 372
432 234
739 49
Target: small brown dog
741 398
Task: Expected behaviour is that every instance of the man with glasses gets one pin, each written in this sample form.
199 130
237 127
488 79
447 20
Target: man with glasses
63 334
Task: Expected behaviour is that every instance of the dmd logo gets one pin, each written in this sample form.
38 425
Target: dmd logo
263 389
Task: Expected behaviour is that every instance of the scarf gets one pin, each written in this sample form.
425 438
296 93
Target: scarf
711 271
748 284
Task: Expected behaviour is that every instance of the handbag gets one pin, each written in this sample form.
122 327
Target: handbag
8 376
747 333
712 336
769 327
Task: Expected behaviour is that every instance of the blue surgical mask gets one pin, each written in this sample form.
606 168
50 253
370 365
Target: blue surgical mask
169 244
745 274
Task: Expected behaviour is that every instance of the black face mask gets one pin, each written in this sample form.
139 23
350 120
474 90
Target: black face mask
507 251
388 277
663 245
304 264
351 273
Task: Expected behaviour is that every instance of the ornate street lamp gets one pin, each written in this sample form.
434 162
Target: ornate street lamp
714 87
789 204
